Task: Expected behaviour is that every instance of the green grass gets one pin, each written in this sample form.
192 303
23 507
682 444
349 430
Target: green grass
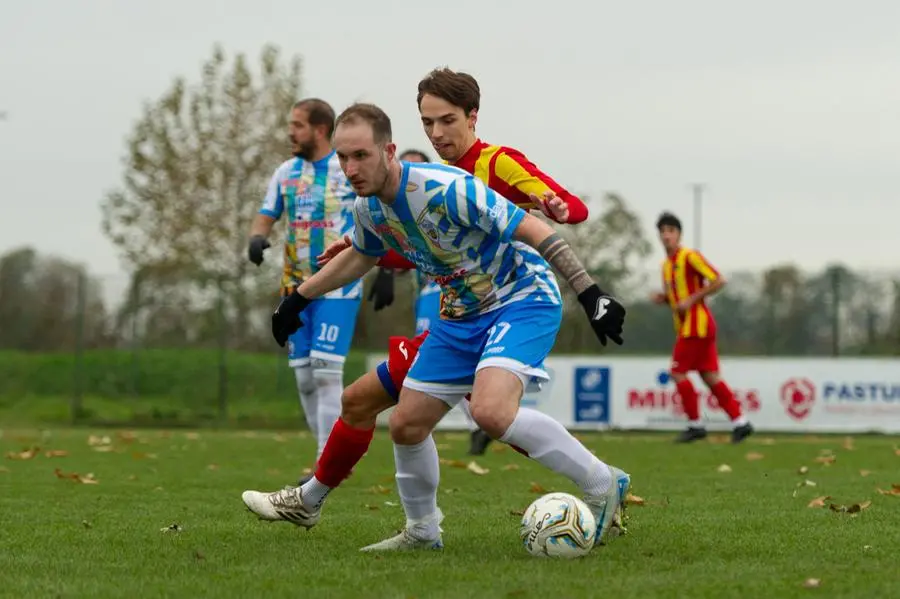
702 533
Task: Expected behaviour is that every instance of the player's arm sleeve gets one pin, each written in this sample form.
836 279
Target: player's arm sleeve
365 239
514 169
702 266
273 202
472 204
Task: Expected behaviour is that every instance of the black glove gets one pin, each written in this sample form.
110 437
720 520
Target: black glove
606 314
286 318
255 252
382 289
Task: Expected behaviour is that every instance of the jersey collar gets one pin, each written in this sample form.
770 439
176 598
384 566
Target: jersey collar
467 161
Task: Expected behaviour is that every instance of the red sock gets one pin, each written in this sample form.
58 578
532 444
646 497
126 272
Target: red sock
344 449
727 402
690 402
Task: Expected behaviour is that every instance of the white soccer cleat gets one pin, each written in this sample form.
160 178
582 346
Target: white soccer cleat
286 504
406 541
609 508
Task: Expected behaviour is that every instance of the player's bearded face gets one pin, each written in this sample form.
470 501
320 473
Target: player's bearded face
302 136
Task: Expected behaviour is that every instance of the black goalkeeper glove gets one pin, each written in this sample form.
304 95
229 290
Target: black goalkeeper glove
286 318
606 314
382 289
255 252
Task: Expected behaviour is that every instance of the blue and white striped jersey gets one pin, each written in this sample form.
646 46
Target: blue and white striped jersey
317 202
459 232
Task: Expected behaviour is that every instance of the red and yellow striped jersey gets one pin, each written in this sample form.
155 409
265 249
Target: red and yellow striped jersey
683 274
508 172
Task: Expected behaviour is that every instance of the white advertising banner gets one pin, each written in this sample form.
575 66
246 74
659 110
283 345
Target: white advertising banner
777 394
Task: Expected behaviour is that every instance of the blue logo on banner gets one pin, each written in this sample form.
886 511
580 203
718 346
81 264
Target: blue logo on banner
592 395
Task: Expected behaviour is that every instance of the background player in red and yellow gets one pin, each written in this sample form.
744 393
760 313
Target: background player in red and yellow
688 279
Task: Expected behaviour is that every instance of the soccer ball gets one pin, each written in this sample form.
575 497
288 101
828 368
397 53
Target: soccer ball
558 525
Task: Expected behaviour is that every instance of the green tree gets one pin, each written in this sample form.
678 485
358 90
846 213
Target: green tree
197 164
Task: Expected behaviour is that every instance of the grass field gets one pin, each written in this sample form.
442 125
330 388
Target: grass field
700 533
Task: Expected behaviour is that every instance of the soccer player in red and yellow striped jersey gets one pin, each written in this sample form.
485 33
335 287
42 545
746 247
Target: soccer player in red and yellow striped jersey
688 279
448 106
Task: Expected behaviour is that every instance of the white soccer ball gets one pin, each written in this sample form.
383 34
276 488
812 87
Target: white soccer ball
558 525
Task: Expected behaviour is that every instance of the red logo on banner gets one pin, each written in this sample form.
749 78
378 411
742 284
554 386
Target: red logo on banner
798 397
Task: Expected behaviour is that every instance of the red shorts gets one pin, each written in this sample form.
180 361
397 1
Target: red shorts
695 353
401 353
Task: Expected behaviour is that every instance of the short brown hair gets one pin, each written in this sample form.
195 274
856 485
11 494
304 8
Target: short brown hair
320 113
371 114
459 89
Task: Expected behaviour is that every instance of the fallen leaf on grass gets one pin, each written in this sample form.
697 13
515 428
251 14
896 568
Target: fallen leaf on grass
4 469
719 439
894 490
517 513
307 471
379 490
805 483
634 500
199 556
865 472
279 438
767 441
140 455
474 468
896 450
104 448
850 509
499 448
372 507
25 454
453 463
848 443
537 488
826 460
754 456
391 504
511 467
724 468
812 583
867 547
449 491
212 467
132 477
192 436
171 528
802 470
87 479
86 524
56 453
95 441
818 501
126 436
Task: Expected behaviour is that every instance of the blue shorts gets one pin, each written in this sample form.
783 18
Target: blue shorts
428 311
516 337
327 331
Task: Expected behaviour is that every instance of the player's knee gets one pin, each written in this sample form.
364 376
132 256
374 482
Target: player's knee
304 376
491 416
677 377
710 378
358 408
405 431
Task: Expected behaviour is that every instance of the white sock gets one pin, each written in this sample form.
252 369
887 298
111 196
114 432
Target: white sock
695 423
418 475
330 386
308 396
548 442
739 421
314 492
464 408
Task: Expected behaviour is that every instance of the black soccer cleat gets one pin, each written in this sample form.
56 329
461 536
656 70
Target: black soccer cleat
479 443
741 432
691 434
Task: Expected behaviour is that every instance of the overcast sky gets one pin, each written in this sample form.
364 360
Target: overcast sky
787 109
